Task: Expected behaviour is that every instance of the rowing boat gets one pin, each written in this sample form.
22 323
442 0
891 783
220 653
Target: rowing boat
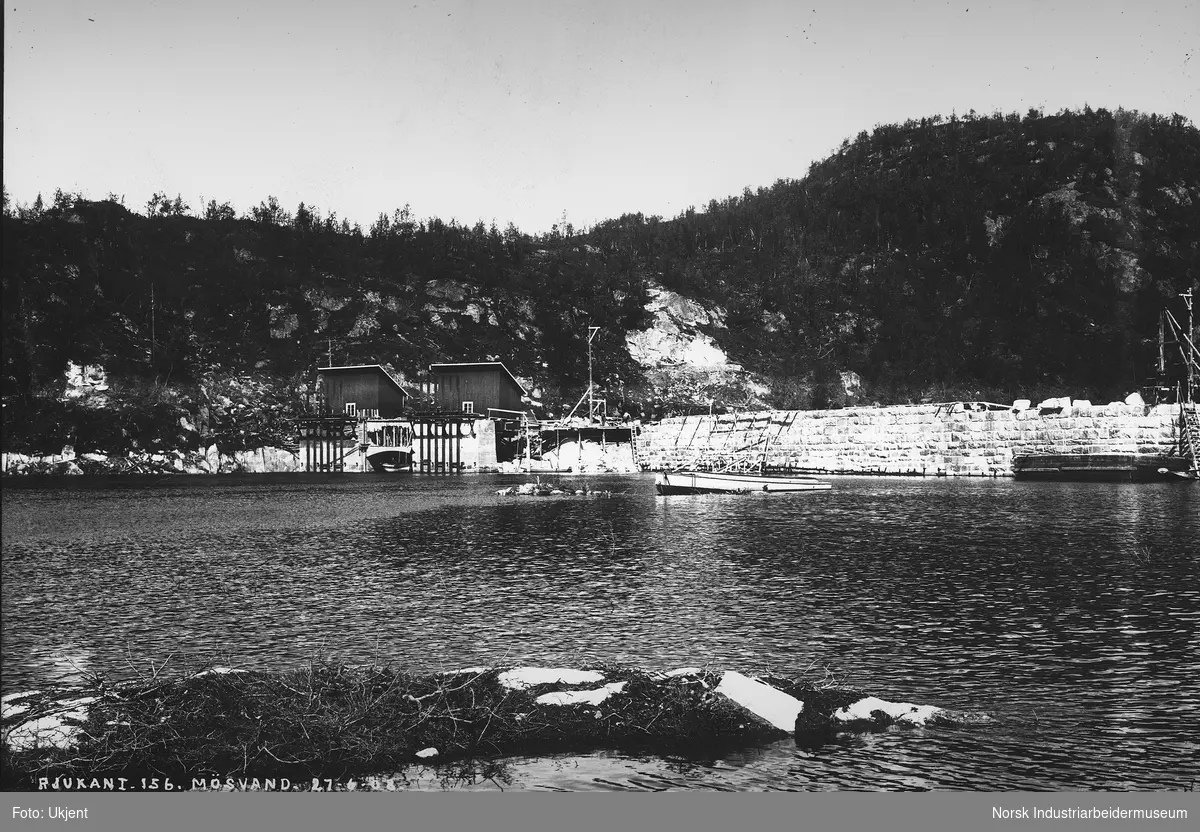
1101 467
703 482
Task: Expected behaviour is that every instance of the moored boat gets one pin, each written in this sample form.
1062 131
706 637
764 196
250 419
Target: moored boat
1101 467
389 460
703 482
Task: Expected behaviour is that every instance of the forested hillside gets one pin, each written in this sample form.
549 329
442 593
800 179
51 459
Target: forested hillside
990 254
978 256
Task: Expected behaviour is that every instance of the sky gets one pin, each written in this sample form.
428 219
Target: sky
529 112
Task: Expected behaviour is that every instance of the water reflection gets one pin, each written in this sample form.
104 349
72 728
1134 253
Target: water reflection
1069 611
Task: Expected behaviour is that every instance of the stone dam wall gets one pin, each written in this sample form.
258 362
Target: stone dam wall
956 439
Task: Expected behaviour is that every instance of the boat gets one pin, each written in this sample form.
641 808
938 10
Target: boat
1101 467
388 460
704 482
537 466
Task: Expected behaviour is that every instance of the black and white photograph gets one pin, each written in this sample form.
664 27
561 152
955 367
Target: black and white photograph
758 411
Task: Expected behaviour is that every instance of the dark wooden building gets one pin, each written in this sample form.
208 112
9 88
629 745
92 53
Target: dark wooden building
366 391
477 387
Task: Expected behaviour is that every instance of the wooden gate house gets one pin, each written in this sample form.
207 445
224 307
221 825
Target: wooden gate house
477 387
365 391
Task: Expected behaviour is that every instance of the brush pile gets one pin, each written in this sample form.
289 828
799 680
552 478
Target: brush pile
333 721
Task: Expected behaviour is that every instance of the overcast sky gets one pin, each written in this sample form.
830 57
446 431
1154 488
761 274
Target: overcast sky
521 111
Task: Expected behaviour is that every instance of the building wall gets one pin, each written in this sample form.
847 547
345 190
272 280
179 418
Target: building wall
483 388
368 391
928 439
510 396
391 400
341 388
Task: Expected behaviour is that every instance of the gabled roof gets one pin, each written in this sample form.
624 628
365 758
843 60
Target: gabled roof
478 366
360 367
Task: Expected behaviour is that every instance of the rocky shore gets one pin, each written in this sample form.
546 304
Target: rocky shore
209 461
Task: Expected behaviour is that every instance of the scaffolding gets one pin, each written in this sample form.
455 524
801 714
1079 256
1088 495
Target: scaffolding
725 448
1189 434
597 408
1183 340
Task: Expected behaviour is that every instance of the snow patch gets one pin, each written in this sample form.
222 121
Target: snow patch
48 731
9 697
581 697
218 671
526 677
905 712
58 730
774 706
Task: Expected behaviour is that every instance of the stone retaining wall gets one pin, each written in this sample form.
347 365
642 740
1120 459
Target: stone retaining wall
956 439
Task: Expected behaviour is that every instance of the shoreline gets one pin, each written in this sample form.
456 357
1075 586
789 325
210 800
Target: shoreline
265 460
948 440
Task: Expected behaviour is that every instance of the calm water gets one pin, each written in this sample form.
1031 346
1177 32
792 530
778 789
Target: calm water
1070 612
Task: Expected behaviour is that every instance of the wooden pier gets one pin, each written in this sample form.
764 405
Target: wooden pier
325 441
438 440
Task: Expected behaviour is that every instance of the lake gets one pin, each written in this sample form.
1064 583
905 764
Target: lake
1070 612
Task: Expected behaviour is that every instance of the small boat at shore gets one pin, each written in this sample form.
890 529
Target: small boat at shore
703 482
390 461
1101 467
543 468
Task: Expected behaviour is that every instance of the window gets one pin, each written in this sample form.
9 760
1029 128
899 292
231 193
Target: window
468 407
351 409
